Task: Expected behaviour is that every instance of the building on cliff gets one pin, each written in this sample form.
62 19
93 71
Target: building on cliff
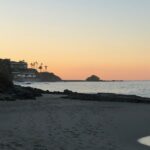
17 66
21 72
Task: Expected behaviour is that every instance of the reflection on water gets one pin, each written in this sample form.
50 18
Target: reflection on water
145 141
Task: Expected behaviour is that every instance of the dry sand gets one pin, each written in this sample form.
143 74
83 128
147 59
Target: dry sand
53 123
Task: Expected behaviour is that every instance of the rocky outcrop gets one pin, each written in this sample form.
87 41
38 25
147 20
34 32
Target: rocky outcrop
20 93
93 78
9 91
48 77
105 97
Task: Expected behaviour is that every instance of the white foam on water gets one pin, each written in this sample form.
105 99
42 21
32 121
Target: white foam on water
145 141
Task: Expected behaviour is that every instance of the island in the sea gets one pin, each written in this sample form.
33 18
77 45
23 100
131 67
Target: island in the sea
93 78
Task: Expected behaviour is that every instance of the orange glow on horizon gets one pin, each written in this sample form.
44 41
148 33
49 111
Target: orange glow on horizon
109 39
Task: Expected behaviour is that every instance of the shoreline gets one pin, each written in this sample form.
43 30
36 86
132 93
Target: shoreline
19 92
100 97
51 122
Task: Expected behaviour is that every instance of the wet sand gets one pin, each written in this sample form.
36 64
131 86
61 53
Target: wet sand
53 123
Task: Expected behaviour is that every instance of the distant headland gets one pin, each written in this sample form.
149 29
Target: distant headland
37 72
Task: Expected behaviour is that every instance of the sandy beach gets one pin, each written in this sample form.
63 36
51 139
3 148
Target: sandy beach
53 123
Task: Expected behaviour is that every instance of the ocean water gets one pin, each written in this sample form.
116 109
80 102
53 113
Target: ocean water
140 88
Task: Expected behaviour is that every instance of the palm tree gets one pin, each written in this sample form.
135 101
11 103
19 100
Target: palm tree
31 64
46 68
36 64
40 68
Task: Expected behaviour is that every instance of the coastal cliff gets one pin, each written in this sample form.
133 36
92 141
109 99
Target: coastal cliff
5 74
48 77
9 91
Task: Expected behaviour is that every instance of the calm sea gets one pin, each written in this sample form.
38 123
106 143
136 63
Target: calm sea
141 88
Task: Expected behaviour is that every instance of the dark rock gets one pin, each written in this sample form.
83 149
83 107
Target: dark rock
68 92
93 78
48 77
107 97
26 92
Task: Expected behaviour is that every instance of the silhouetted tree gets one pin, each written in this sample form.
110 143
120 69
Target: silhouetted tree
46 68
31 64
41 67
36 64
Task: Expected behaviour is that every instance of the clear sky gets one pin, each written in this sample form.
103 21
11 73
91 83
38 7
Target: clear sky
77 38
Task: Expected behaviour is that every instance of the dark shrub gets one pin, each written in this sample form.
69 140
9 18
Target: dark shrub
5 74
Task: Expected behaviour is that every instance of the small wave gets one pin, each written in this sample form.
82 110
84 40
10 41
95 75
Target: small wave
145 141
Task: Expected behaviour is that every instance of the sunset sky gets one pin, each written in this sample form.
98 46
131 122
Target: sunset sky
77 38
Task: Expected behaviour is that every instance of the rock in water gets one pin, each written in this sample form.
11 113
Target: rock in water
93 78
